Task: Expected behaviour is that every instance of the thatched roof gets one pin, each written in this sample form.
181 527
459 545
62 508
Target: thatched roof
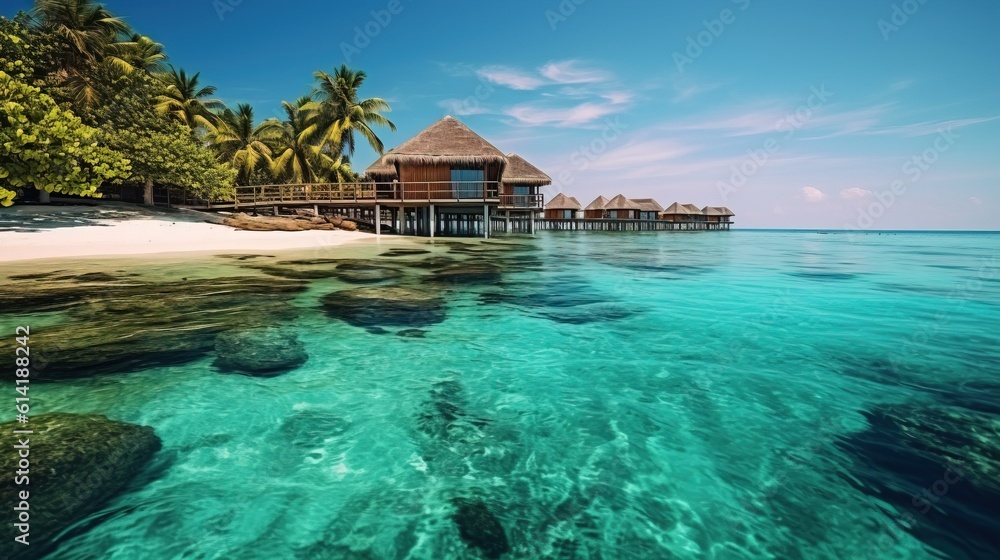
563 202
621 203
680 209
381 170
520 172
447 141
648 205
694 209
717 211
600 203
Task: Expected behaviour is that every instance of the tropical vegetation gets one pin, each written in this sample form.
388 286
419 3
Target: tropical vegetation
87 102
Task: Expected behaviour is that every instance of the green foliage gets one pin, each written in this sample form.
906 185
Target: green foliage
244 145
49 148
162 151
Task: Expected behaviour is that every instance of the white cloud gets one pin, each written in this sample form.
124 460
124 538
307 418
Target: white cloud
510 77
813 194
570 72
534 114
976 200
855 193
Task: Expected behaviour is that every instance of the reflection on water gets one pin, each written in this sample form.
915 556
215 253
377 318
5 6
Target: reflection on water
742 395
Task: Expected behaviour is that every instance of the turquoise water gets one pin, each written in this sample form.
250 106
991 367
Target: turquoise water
709 395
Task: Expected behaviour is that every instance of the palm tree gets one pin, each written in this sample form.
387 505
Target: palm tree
242 144
91 35
302 158
343 114
144 53
186 102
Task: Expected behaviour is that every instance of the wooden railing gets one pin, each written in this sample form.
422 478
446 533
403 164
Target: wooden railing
426 191
522 200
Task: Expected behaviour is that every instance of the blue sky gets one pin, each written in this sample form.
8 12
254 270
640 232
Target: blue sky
879 114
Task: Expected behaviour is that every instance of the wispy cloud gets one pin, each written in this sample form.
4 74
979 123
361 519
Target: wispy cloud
649 152
537 114
812 194
563 73
571 72
929 128
855 193
510 77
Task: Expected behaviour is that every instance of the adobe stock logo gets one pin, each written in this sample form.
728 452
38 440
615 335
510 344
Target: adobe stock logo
699 42
901 14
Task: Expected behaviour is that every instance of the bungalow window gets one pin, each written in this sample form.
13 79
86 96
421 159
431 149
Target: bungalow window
522 196
468 183
567 214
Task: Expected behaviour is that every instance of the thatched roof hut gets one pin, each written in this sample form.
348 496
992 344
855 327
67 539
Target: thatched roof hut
717 211
595 210
520 172
563 202
447 142
648 205
381 171
621 203
694 209
621 208
678 209
599 203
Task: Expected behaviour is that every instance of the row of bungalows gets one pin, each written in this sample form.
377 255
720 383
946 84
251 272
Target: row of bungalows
565 212
447 180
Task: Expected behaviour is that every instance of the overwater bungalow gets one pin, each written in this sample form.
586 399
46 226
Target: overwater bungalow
448 179
562 207
520 196
649 209
678 212
717 214
596 210
621 208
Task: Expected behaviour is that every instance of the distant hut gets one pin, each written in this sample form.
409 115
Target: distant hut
596 210
649 209
717 214
621 208
521 184
678 212
562 207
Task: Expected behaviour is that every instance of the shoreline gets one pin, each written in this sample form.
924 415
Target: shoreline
160 237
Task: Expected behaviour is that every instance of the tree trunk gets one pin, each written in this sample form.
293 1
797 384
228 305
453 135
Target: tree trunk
44 197
147 193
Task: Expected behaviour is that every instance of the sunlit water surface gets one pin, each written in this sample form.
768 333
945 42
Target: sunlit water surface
708 395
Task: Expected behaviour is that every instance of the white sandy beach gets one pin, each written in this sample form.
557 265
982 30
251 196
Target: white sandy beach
159 236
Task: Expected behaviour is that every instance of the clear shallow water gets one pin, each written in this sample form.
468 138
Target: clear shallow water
645 396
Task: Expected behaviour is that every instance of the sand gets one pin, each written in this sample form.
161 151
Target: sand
158 236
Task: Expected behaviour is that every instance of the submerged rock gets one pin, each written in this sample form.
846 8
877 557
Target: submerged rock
78 463
362 273
398 252
468 274
385 307
310 429
134 324
480 528
265 352
940 467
